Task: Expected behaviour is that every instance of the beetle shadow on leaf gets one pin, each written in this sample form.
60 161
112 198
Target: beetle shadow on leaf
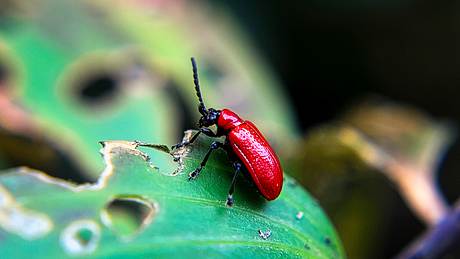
247 193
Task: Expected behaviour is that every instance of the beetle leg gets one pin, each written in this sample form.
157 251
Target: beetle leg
188 142
237 166
214 145
205 131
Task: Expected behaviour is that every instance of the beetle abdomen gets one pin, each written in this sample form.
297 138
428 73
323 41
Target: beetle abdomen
258 157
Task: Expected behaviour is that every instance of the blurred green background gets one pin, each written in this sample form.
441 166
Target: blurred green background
73 73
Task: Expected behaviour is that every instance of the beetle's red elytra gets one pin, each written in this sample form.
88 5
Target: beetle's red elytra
254 151
244 143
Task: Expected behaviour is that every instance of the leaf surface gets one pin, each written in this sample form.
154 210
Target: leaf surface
137 210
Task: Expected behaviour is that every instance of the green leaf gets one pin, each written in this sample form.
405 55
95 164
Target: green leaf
138 210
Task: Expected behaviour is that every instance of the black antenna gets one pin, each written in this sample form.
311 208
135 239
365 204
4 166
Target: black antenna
201 107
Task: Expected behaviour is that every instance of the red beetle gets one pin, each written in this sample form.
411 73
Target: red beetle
244 143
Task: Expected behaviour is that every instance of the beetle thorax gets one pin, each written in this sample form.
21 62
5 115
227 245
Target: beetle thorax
228 120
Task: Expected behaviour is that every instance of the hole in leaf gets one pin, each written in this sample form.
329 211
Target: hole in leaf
80 237
127 216
98 88
164 157
84 236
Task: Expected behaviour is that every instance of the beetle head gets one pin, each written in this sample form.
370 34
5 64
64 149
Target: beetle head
209 118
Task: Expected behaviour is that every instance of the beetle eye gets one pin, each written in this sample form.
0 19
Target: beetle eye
98 88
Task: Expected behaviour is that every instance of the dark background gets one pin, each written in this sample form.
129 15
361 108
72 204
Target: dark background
330 54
